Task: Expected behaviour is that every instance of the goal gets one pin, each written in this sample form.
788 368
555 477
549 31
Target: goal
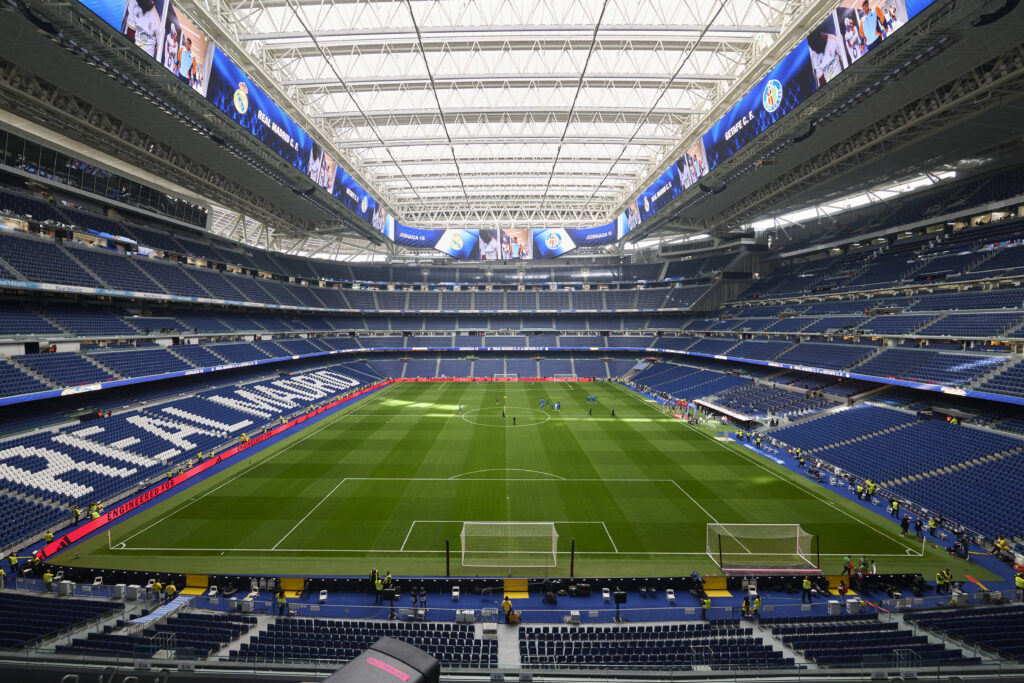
509 544
761 547
565 376
510 376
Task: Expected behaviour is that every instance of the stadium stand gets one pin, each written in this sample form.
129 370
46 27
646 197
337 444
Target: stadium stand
40 617
838 641
993 628
195 635
720 645
303 640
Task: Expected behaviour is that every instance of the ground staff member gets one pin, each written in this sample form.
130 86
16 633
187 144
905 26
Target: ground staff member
705 605
1018 581
807 591
48 581
281 603
378 585
506 607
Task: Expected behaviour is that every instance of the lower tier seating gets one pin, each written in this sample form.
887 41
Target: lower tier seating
305 640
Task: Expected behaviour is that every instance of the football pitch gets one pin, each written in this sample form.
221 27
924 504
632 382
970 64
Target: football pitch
388 480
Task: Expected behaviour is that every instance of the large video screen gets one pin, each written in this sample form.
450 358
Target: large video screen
231 91
163 30
778 93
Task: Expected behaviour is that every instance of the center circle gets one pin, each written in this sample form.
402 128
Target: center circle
491 417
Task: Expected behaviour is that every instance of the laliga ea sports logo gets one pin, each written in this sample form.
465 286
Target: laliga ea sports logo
241 98
553 240
457 242
772 97
364 204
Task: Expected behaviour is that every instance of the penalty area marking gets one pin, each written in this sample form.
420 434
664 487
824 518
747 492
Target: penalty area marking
325 424
742 453
615 548
506 469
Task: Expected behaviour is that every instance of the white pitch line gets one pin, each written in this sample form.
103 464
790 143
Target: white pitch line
504 469
614 547
643 553
325 424
407 535
297 524
791 482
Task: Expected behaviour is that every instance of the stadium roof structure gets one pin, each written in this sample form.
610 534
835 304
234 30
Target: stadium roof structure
532 113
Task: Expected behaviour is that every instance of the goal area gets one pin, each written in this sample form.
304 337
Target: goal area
762 547
506 376
566 376
509 544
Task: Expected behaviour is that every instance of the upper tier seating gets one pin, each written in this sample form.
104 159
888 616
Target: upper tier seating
831 356
16 320
41 260
90 321
116 270
14 381
141 363
66 369
975 325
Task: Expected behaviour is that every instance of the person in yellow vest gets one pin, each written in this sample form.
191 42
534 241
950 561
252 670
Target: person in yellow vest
47 581
1018 581
860 491
806 594
705 605
77 512
3 578
506 607
378 586
1000 546
756 609
158 588
48 537
95 514
933 524
12 560
169 592
940 582
282 604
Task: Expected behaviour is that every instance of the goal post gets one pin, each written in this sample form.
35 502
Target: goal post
506 376
762 547
566 376
509 544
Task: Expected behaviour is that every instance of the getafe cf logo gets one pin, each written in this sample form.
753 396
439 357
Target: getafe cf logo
241 98
364 204
772 97
554 240
457 242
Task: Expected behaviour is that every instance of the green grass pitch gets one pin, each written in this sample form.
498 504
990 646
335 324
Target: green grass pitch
386 481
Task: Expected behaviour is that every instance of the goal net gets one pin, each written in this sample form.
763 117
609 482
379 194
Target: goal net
764 547
568 377
509 544
506 376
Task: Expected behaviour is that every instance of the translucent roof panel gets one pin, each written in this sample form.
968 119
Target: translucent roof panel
485 112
